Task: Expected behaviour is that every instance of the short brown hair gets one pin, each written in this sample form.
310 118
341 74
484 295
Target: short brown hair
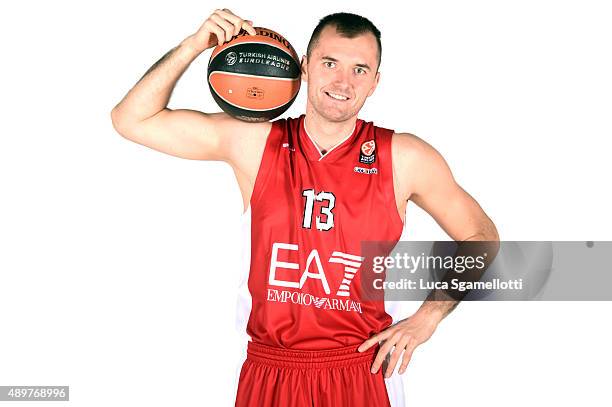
347 25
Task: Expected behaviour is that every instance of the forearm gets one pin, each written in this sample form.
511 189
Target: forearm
437 305
152 92
440 303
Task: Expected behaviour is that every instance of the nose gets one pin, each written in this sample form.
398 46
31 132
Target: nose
342 77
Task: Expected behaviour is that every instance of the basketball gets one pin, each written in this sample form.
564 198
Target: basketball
254 77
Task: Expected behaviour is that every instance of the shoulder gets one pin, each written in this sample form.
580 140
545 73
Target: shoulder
233 132
416 163
282 125
245 141
248 140
410 149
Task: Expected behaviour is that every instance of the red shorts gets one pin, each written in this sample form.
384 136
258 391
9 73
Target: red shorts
331 378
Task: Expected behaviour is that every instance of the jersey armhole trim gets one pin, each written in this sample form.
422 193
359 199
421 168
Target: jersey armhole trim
396 217
264 165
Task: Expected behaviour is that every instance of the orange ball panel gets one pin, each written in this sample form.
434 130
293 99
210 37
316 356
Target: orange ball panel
253 92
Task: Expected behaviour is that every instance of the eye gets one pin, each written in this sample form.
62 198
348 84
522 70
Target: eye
360 71
329 64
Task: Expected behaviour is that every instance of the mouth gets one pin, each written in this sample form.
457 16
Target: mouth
337 96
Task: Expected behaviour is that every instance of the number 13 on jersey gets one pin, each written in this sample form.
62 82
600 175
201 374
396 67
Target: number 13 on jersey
324 220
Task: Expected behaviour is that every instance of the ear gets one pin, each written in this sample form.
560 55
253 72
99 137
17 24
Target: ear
304 68
375 84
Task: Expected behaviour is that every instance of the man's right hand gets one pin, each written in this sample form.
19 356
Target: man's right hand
219 28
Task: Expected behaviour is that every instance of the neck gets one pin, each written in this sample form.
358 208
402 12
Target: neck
327 134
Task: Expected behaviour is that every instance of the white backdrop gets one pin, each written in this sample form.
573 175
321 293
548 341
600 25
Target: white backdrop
118 263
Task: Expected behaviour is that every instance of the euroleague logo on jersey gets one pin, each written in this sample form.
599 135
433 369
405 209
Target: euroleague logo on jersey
367 154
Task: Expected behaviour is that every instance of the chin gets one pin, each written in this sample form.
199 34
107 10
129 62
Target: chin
333 117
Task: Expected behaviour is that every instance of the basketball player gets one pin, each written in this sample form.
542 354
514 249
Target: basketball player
314 188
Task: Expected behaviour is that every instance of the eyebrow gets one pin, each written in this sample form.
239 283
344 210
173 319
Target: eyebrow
366 66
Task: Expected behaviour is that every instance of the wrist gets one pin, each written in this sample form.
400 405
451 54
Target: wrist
190 48
434 310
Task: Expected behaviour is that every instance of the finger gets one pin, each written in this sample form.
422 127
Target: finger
213 28
374 340
232 18
368 344
227 27
248 27
382 352
219 33
397 352
238 22
406 358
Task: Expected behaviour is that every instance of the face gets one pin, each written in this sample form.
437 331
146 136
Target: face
341 74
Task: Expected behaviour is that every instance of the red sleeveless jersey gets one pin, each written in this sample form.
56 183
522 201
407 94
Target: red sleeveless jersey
310 211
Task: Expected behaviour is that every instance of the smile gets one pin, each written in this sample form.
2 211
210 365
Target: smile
335 96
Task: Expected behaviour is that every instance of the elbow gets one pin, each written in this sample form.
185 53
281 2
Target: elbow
488 230
493 240
115 120
493 234
119 123
488 238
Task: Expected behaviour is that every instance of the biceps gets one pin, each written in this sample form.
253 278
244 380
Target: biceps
450 205
454 210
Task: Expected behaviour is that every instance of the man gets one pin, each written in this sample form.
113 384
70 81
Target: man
313 188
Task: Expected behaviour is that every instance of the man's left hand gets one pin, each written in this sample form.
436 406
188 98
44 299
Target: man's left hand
405 336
